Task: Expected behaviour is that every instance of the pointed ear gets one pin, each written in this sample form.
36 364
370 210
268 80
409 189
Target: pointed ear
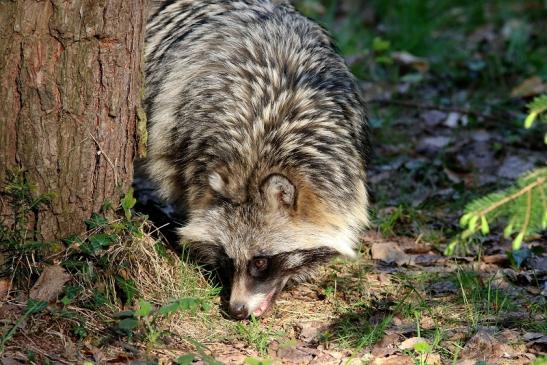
217 183
279 192
195 232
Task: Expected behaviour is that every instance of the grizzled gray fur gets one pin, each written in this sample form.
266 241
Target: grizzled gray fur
256 127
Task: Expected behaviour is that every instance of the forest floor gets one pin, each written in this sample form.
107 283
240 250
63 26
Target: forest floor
446 83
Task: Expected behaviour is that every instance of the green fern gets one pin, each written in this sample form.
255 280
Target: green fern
523 206
537 108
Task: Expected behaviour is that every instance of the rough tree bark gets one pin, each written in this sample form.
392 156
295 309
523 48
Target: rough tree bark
70 89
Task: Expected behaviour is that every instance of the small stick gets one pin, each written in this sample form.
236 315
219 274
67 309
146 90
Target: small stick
107 159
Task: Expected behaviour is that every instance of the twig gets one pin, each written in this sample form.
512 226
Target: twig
507 199
415 105
107 159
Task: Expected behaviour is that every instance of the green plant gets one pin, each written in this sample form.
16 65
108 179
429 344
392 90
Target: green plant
523 206
482 301
537 110
423 350
541 360
143 322
254 334
354 329
381 48
253 361
19 241
127 203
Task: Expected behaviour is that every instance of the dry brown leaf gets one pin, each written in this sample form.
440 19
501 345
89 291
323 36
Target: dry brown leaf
499 259
409 343
408 59
418 249
50 284
530 87
387 346
325 358
309 330
294 356
390 253
427 323
7 360
432 359
5 286
484 346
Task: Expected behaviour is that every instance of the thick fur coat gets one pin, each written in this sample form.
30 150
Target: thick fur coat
257 128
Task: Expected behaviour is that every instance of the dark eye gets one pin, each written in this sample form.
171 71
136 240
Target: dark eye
260 264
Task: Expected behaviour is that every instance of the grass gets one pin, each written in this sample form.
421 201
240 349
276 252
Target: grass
256 335
113 265
484 303
353 330
125 296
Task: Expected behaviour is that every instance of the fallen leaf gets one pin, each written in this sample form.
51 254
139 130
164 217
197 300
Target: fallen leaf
5 360
530 87
390 253
453 176
514 166
530 336
467 362
294 356
50 284
500 259
481 136
418 249
484 346
325 358
427 323
408 59
387 346
4 288
535 339
409 343
310 330
433 118
432 145
538 264
432 359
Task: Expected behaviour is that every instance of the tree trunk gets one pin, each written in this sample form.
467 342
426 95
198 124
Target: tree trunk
70 90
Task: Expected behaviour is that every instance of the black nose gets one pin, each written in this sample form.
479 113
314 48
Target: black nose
239 311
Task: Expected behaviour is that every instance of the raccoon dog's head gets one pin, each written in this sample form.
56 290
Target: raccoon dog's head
260 239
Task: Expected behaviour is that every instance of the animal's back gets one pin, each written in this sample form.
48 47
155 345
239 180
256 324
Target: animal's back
250 89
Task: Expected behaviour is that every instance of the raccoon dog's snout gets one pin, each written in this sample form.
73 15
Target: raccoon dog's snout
239 310
257 128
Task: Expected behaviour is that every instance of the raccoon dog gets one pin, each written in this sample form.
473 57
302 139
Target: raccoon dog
256 128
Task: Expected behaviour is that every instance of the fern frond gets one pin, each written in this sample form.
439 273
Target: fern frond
536 107
522 206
